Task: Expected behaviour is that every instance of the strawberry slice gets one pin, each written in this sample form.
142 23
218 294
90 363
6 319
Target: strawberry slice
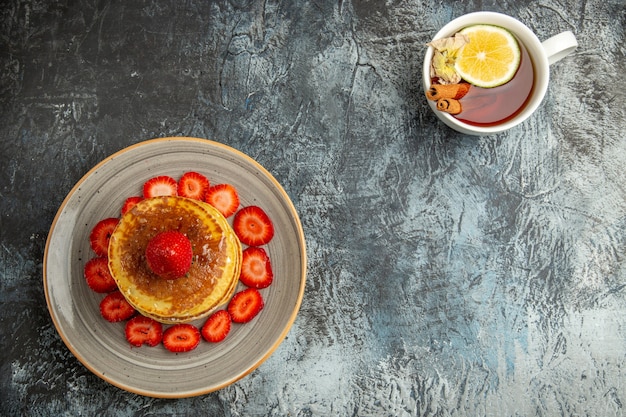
98 275
256 268
160 186
252 226
224 198
245 305
143 330
217 327
114 308
193 185
101 234
130 203
181 337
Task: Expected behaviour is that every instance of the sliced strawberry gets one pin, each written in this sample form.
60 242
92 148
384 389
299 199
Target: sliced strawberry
160 186
114 308
252 226
98 275
181 337
143 330
217 326
223 197
101 234
245 305
130 203
256 268
193 185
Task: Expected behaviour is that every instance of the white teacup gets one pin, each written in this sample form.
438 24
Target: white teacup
542 54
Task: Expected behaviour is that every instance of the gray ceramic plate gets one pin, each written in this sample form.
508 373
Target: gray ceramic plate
100 345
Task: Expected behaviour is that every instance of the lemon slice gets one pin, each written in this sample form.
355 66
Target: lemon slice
491 57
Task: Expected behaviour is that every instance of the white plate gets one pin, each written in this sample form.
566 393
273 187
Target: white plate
101 346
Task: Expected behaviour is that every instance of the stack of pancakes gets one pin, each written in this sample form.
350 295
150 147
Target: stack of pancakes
215 267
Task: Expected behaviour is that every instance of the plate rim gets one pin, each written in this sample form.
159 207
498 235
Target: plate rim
234 378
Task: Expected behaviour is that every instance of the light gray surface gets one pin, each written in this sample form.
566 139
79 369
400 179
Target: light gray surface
448 275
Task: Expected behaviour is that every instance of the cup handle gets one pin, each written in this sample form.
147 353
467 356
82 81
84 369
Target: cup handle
559 46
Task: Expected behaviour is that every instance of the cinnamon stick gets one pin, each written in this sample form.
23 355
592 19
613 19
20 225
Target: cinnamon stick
453 91
449 105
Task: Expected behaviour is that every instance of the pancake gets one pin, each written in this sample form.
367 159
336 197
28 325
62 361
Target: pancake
214 272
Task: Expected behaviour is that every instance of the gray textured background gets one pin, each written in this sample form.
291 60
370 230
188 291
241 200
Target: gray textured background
448 275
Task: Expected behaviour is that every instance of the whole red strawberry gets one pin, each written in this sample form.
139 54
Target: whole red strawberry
169 254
